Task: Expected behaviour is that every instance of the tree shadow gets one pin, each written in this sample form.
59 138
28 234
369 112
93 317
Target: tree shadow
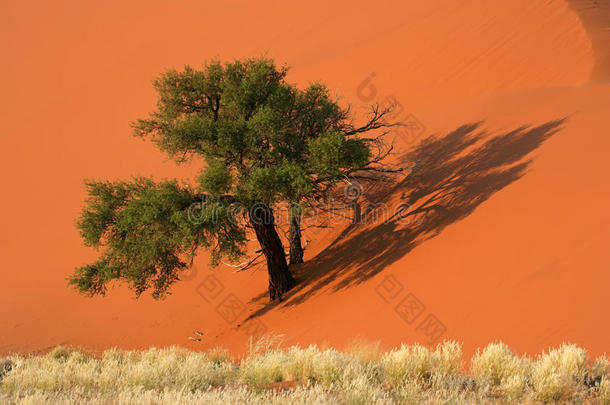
453 175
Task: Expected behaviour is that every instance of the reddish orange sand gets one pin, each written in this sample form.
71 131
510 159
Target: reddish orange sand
519 254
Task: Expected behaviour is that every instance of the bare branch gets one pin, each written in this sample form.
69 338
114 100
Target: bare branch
245 265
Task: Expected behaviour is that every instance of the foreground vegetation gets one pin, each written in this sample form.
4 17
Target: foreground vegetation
270 374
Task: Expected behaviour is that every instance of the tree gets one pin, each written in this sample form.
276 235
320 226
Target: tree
262 141
321 133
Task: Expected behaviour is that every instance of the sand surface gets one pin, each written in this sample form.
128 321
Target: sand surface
512 243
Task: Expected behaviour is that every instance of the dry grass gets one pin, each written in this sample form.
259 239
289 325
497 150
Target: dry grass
270 374
500 372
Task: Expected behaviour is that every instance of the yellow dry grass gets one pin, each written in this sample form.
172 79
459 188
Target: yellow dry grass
271 374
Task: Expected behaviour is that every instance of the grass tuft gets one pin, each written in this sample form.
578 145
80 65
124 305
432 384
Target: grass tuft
311 375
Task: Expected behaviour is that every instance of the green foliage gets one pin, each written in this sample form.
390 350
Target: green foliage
149 233
262 140
216 179
212 112
332 153
244 120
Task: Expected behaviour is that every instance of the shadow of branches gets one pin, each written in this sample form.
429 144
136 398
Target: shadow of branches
453 175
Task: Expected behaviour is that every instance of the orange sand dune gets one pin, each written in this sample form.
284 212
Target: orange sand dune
512 245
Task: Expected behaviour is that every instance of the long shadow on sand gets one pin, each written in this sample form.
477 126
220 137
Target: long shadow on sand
454 174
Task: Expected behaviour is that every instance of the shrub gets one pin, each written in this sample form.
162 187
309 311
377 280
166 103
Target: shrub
315 366
604 392
418 363
559 374
498 369
600 368
6 365
407 375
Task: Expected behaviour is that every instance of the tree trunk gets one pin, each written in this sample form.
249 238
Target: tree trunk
296 247
280 278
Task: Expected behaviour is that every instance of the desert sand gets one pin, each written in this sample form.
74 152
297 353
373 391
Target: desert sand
514 93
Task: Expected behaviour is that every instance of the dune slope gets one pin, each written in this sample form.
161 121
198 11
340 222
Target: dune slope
511 98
